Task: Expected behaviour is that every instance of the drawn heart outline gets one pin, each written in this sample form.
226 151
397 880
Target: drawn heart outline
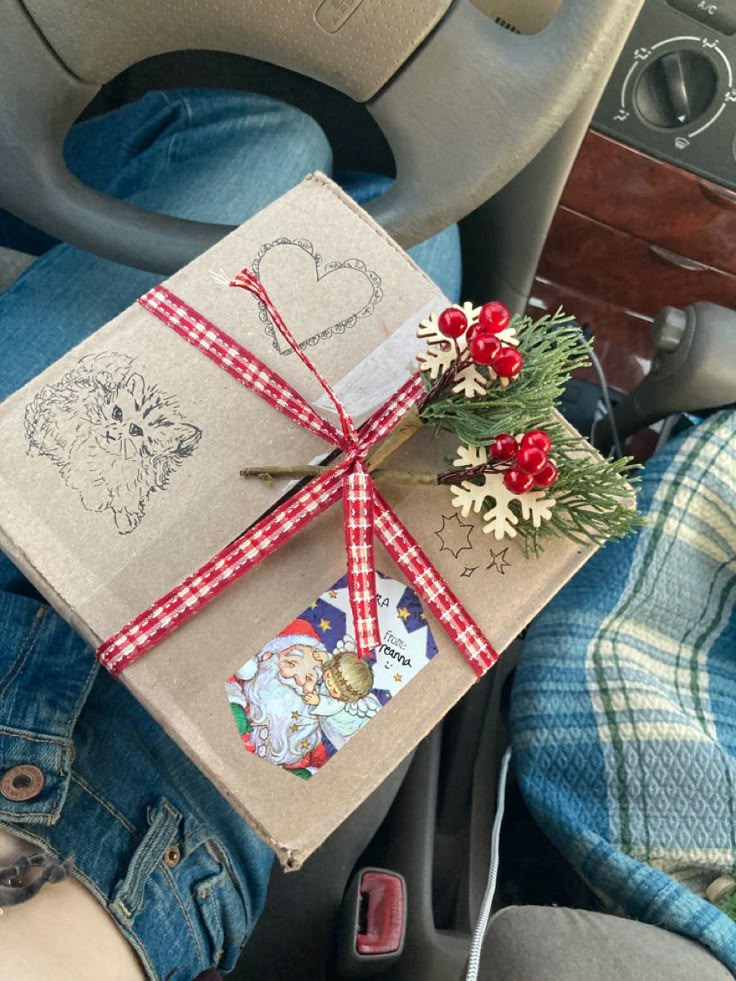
321 271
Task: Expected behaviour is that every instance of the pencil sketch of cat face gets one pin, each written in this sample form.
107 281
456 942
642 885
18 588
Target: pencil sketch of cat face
132 424
114 438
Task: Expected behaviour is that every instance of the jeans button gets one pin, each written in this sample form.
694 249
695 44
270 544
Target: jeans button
22 782
172 856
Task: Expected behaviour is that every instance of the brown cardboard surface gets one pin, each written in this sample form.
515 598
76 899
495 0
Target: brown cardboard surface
181 682
96 573
99 579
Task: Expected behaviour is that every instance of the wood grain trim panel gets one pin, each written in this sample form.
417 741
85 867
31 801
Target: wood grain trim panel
621 269
654 200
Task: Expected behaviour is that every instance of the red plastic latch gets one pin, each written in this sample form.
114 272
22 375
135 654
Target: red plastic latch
382 913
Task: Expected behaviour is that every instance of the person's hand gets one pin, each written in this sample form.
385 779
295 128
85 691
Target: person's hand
312 698
320 656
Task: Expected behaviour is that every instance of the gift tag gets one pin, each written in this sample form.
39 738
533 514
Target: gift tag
306 693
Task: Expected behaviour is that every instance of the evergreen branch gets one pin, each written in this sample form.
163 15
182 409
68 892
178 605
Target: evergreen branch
594 498
552 347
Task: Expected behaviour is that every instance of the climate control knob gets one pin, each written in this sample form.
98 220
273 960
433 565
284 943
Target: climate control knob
676 89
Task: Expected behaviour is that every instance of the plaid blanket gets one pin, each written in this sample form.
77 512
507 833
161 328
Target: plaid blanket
624 703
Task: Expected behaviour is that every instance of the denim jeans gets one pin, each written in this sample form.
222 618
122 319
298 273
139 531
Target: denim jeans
182 875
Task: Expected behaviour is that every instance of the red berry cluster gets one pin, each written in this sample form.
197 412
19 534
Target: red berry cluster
485 347
530 463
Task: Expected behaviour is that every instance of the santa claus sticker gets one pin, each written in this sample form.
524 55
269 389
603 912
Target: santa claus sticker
306 693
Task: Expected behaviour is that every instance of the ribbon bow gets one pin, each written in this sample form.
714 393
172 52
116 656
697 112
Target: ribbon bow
367 514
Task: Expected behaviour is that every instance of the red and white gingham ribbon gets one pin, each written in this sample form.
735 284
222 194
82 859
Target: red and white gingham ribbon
366 512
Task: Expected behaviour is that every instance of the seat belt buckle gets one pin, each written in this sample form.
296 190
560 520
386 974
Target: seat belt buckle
372 923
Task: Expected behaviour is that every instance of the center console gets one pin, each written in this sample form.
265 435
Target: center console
648 215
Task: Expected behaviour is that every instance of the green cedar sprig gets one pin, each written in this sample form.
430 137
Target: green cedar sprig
553 347
594 498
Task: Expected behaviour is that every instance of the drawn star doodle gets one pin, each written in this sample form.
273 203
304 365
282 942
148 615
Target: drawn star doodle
468 571
454 535
499 561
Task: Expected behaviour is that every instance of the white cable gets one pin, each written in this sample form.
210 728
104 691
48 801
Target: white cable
476 943
666 431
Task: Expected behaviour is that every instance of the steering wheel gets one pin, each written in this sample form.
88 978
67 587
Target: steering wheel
464 103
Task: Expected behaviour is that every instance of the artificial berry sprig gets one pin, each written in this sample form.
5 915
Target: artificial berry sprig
530 466
497 482
524 463
487 349
468 349
484 347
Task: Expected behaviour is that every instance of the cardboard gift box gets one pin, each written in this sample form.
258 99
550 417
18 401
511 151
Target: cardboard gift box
121 475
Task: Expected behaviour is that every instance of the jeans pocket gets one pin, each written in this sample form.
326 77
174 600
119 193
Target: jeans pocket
208 886
181 897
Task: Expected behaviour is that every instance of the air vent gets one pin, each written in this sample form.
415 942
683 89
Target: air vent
506 25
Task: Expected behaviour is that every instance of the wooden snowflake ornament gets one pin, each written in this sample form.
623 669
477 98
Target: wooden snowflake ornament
511 491
474 346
